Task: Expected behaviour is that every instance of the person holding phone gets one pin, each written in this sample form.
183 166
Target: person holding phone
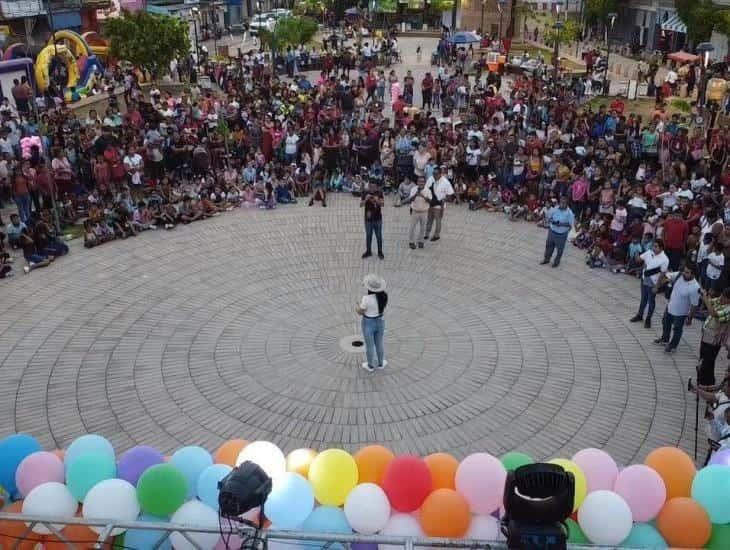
372 202
561 220
681 306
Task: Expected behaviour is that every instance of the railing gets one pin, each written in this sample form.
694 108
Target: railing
325 539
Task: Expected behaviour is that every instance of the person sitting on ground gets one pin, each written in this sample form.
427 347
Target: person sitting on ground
14 229
319 191
32 255
189 211
142 217
282 193
404 191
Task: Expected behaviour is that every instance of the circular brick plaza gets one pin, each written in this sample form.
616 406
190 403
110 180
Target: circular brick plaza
241 326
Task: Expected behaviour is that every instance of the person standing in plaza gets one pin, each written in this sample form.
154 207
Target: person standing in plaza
714 334
561 219
681 306
440 188
372 201
655 263
372 307
420 201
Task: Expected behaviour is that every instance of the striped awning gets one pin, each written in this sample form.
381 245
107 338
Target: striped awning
674 24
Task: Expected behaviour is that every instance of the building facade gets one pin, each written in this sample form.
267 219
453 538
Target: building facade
483 14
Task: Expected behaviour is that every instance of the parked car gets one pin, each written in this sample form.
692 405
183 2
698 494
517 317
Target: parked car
264 21
280 13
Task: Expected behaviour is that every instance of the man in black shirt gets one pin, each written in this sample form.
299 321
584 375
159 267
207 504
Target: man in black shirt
372 200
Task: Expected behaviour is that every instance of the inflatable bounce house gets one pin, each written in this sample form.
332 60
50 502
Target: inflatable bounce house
69 60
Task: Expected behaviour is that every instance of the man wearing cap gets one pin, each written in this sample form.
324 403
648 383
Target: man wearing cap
372 202
420 201
561 219
440 188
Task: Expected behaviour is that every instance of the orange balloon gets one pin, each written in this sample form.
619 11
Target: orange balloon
299 461
371 463
60 453
10 530
684 523
443 470
445 513
82 537
676 469
229 451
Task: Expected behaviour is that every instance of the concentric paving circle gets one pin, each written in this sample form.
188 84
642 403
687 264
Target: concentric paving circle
234 327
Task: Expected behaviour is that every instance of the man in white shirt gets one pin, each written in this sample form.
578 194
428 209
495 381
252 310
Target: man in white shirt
420 201
715 265
681 307
441 189
656 263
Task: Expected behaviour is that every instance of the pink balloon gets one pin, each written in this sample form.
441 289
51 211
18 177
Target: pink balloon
37 469
480 479
226 542
643 490
599 468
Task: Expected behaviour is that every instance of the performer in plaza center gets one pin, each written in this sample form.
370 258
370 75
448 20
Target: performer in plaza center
372 307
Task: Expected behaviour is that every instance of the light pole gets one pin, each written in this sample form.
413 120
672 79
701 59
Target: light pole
484 3
611 21
557 26
196 13
704 49
500 5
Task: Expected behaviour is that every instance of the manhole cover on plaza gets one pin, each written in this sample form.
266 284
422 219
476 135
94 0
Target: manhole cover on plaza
352 344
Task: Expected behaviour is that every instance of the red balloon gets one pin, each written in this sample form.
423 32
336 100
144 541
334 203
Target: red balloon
407 483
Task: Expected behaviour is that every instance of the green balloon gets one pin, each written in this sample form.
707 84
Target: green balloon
513 460
86 471
161 490
720 537
575 533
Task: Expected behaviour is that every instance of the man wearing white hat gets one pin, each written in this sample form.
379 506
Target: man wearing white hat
371 307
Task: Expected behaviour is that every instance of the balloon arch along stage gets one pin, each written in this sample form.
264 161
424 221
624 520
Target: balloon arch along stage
140 496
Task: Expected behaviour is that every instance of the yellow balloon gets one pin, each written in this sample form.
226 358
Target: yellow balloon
332 474
581 487
300 460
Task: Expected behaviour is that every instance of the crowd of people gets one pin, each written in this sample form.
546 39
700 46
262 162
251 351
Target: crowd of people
648 195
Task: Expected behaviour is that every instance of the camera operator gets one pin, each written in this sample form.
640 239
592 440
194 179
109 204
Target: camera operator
441 189
717 413
372 201
420 201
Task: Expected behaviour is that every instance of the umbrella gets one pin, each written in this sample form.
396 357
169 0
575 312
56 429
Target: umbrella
464 38
352 11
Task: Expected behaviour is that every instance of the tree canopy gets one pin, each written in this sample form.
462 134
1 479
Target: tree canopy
289 31
146 40
596 11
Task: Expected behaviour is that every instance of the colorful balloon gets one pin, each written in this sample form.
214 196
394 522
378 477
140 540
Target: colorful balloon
644 535
89 443
684 523
484 528
599 468
711 489
333 474
290 501
445 513
513 460
367 508
605 518
207 487
113 499
50 499
407 483
721 457
327 519
195 514
12 531
13 449
191 461
229 451
443 468
675 467
300 460
143 538
480 478
86 471
267 455
372 461
719 540
36 469
401 525
575 533
161 490
581 488
133 462
643 490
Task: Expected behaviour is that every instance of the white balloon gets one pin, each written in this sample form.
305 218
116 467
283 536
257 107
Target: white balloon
114 499
265 454
484 528
195 514
605 518
402 525
367 508
49 499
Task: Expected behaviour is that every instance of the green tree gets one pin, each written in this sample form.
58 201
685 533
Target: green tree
289 31
700 17
146 40
570 32
440 6
596 11
386 6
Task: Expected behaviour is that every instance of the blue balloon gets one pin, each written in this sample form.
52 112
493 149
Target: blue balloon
644 535
290 502
326 519
191 461
13 449
208 483
90 443
710 488
144 538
